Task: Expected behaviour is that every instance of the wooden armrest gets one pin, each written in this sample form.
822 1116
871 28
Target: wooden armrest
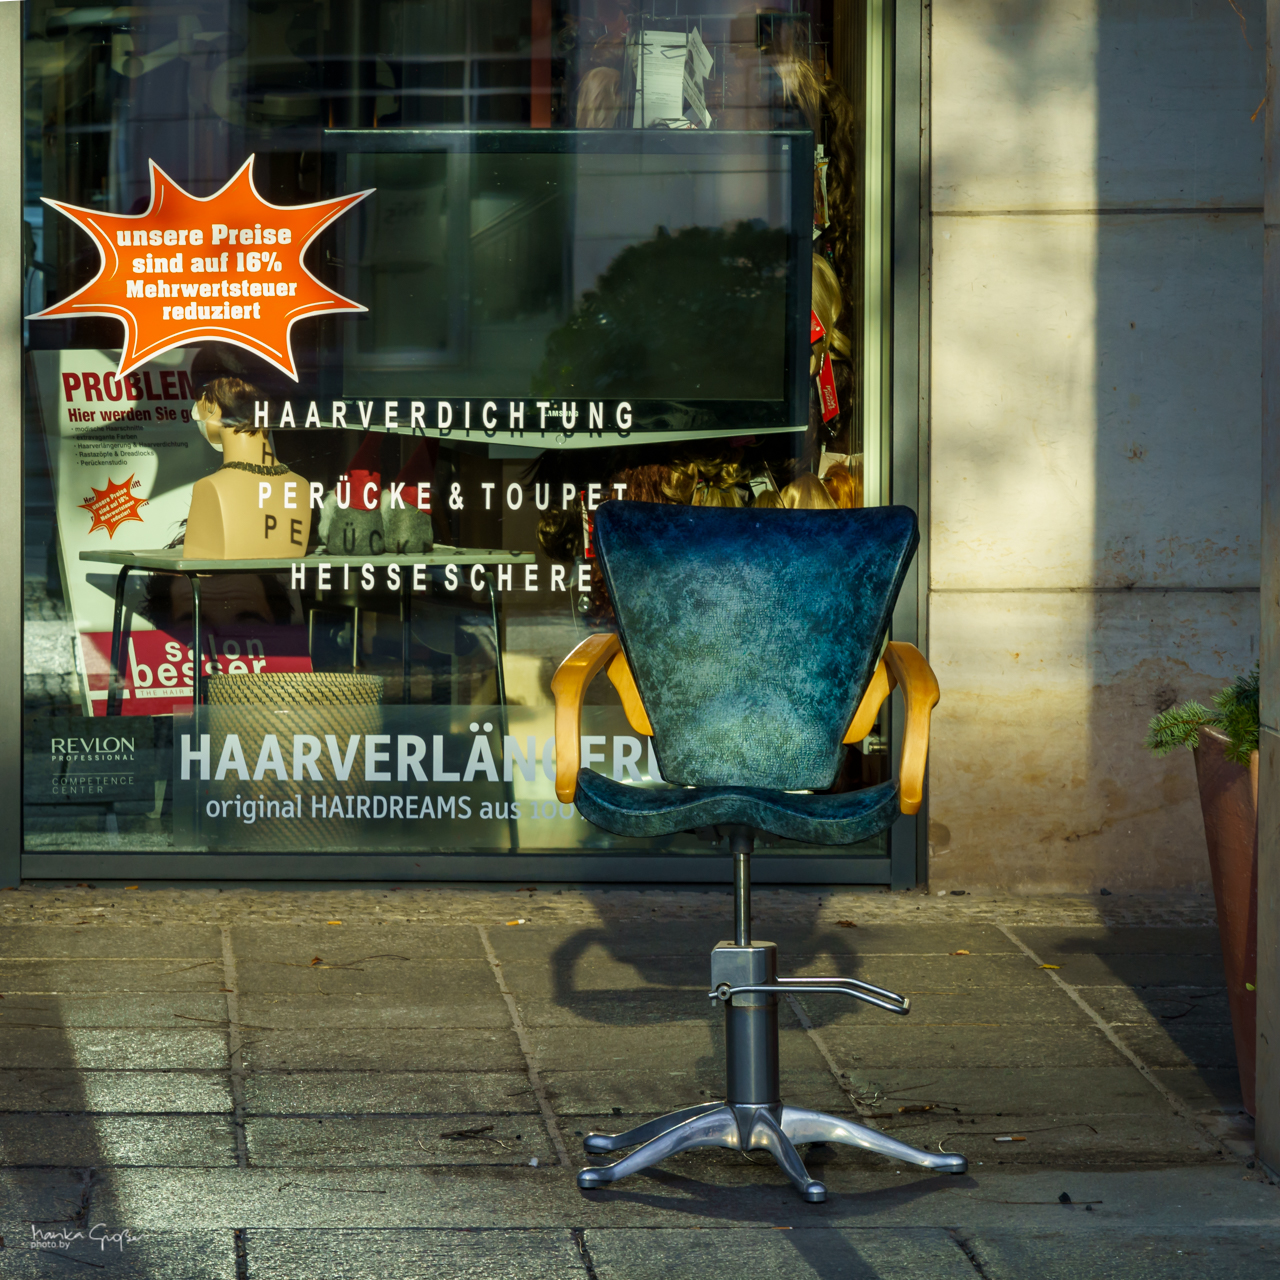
920 692
881 686
569 684
625 683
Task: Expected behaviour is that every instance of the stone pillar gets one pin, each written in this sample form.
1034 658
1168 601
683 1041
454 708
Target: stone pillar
11 268
1268 982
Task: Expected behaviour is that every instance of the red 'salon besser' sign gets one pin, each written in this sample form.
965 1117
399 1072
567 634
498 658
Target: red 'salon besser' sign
155 667
226 267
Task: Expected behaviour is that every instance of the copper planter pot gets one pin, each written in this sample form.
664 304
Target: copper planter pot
1229 801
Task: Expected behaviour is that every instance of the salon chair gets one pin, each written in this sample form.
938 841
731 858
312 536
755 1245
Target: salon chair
750 648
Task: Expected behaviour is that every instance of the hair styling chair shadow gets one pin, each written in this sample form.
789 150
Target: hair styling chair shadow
751 649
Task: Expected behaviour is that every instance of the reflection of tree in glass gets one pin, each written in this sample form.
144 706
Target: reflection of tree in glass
695 315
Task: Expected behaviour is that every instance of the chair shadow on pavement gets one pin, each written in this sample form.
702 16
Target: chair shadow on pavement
53 1159
99 1085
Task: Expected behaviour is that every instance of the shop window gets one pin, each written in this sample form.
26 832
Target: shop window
342 320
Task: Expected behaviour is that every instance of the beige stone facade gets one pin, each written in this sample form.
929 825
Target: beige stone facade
1096 305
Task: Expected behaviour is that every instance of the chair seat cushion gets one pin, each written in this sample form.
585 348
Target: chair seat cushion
845 818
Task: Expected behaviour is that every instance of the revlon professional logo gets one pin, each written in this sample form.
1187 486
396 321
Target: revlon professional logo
226 267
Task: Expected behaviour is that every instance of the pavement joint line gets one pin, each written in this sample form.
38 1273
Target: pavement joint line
1175 1103
235 1049
812 1032
969 1252
526 1048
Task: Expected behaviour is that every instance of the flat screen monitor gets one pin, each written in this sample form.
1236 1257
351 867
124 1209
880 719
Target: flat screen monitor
668 269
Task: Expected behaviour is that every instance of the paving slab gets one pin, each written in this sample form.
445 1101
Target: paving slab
33 941
679 1046
1050 1138
955 1045
45 1196
657 1092
619 1008
1175 1044
889 939
794 1254
1023 1007
1204 1088
671 1045
131 1092
459 980
55 976
1158 1006
371 1141
565 945
122 1254
642 939
1125 969
79 1141
393 1092
1176 1256
402 1254
431 1008
1027 1091
66 1009
349 943
339 1047
540 980
913 974
1119 940
113 1048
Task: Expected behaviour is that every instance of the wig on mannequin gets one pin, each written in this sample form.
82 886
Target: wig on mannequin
234 399
834 122
807 493
844 483
599 101
828 306
709 482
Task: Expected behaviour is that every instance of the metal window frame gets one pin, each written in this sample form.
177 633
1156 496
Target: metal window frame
896 347
11 435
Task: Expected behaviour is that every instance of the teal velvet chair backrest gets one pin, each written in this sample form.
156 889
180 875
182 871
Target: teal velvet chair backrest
752 635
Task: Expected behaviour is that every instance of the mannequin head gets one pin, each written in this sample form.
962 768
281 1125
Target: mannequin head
226 405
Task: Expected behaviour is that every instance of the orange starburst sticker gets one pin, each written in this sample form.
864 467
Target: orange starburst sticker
225 268
113 506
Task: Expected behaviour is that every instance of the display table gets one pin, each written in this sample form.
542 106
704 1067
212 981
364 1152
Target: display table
170 560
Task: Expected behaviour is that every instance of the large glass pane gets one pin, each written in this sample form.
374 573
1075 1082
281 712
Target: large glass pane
342 322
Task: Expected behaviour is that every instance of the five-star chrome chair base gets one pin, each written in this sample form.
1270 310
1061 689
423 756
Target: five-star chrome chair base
744 979
749 1127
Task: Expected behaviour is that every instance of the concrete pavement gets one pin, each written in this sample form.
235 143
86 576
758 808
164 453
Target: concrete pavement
359 1082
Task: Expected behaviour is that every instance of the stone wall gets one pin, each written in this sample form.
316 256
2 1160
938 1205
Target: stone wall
1096 351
